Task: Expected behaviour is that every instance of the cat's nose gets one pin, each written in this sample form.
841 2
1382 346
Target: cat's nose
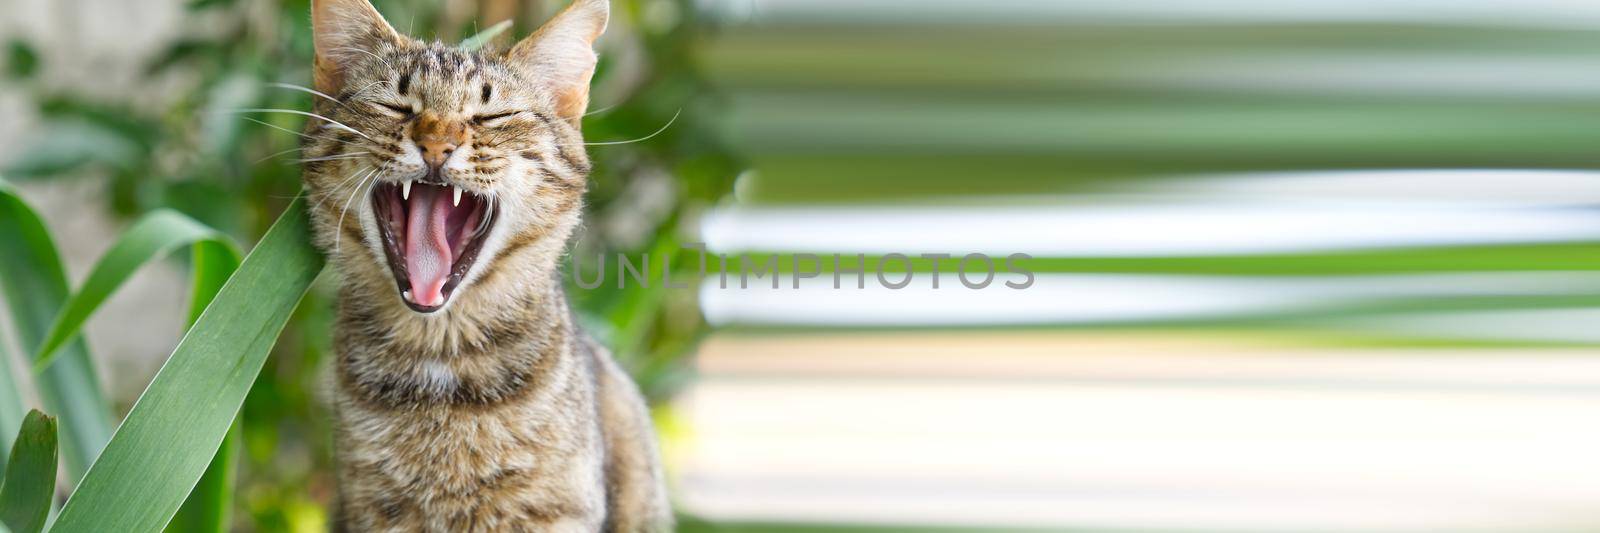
436 138
435 152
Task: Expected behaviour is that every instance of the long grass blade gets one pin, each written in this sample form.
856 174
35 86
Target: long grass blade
12 232
10 401
151 237
206 510
35 287
175 428
483 37
30 482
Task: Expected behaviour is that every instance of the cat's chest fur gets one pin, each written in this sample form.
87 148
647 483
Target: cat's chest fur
531 455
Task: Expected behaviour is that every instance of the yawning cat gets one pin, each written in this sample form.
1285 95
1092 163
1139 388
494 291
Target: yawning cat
445 185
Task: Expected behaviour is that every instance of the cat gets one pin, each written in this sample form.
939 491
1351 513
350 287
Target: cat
445 184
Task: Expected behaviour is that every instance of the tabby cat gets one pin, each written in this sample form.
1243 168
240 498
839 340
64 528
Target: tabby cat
445 185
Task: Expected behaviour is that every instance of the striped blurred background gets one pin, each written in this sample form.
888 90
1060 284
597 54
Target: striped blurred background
1301 265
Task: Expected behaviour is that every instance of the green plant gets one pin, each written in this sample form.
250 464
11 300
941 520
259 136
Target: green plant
35 288
176 441
167 440
30 479
172 435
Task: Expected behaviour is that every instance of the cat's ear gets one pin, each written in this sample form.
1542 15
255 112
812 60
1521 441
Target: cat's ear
561 54
344 31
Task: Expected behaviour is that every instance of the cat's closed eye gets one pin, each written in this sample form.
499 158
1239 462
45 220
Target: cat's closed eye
402 110
491 120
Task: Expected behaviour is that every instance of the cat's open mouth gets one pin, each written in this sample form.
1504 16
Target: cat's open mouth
431 235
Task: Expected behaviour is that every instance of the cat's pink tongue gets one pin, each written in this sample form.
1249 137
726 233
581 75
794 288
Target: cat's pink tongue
427 250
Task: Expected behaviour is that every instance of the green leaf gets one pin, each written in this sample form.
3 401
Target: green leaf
208 505
35 288
151 237
213 262
483 37
30 482
12 234
207 508
177 425
21 61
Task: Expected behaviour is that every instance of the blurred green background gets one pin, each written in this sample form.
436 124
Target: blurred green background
1305 265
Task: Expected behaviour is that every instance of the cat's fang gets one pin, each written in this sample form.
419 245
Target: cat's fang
405 190
456 200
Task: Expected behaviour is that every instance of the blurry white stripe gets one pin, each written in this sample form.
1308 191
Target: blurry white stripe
1098 227
1096 298
1148 357
1183 456
1391 73
1534 13
1462 188
1539 325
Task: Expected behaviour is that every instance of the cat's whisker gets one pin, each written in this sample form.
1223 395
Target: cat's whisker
363 90
258 161
353 176
294 87
602 110
338 188
644 138
311 159
331 122
339 235
305 192
488 215
374 56
320 198
292 132
335 157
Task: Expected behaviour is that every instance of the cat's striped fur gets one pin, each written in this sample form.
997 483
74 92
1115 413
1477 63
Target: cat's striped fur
493 413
